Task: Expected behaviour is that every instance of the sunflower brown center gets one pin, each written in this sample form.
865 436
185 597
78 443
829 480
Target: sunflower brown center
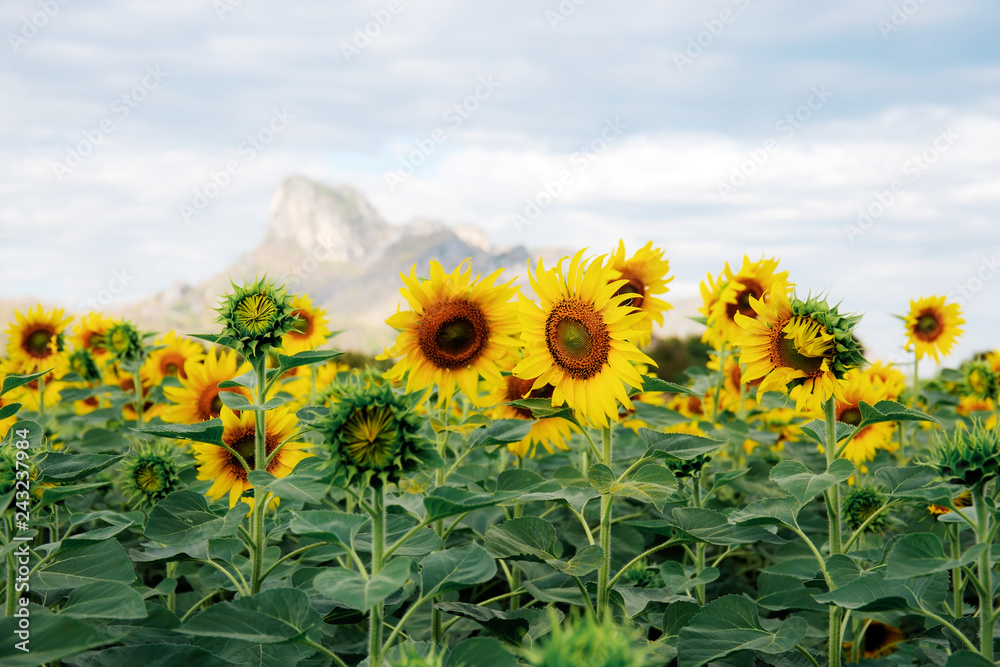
851 415
172 365
751 288
210 405
243 442
928 327
453 333
577 338
37 343
635 287
784 353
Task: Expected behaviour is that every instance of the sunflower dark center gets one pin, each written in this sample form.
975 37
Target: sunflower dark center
371 437
851 415
577 338
928 327
453 333
785 354
210 405
635 287
37 343
149 477
751 288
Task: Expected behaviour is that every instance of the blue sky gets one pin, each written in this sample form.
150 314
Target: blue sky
715 128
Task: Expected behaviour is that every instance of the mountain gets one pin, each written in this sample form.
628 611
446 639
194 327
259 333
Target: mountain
329 242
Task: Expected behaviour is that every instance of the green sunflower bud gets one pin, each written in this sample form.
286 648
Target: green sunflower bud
643 576
846 351
860 504
124 342
150 474
373 432
688 467
590 642
981 380
255 317
83 364
970 457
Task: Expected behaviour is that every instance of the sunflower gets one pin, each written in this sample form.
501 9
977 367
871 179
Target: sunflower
457 331
307 387
797 343
970 404
229 475
888 377
578 338
28 395
309 331
37 339
857 387
89 333
963 499
197 399
981 380
645 273
552 432
151 473
754 280
170 359
880 640
932 326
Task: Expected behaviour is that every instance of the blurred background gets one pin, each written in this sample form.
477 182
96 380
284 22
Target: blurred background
150 150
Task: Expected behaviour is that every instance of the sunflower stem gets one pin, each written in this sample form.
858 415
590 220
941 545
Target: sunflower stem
437 631
137 381
954 536
515 600
378 555
260 455
607 499
986 619
699 553
9 562
172 596
834 649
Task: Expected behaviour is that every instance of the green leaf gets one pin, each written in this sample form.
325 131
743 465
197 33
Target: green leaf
153 655
419 544
351 589
104 599
481 652
184 517
54 494
511 626
653 383
296 486
329 525
781 511
731 624
209 431
804 485
652 484
816 429
967 659
542 408
679 577
533 538
9 410
585 561
448 501
705 525
272 616
890 411
305 358
235 401
500 432
635 600
873 592
919 554
781 592
455 569
679 445
72 467
52 638
13 381
76 564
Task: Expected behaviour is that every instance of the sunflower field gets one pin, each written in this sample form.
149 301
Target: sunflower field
517 488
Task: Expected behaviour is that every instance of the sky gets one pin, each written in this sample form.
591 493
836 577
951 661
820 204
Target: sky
857 141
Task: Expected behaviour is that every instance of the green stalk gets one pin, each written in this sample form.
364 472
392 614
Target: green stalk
172 596
515 600
604 575
41 403
137 381
378 554
955 534
437 627
833 516
986 619
699 553
260 455
11 596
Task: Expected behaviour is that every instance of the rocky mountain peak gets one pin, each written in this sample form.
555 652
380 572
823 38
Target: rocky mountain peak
313 215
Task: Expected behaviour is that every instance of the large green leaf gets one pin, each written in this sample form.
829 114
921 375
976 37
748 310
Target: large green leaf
731 624
653 383
304 358
153 655
652 484
208 431
534 538
13 381
542 408
184 517
239 402
679 577
890 411
781 592
705 525
679 445
816 429
418 544
329 525
76 564
804 485
299 485
455 569
967 659
71 467
918 483
272 616
104 599
480 652
510 626
350 588
919 554
450 501
871 591
780 511
500 432
51 639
